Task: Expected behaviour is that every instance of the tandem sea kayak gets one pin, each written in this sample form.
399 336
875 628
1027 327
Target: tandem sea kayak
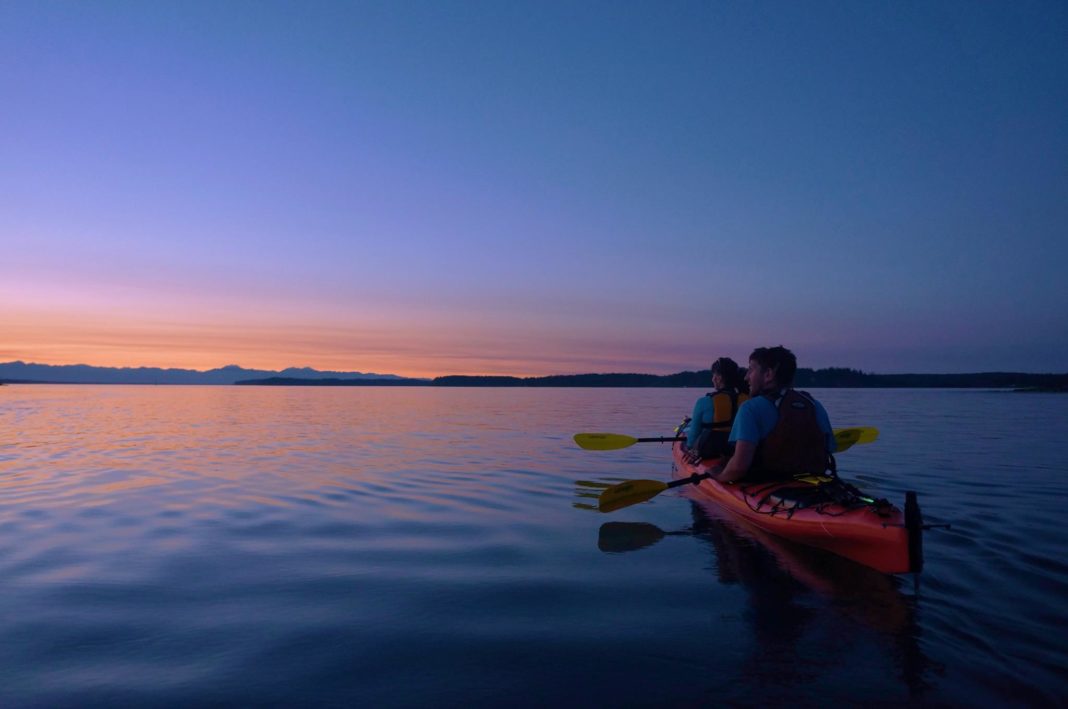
826 513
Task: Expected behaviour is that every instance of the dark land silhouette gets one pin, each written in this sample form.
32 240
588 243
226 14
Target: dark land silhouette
815 378
27 373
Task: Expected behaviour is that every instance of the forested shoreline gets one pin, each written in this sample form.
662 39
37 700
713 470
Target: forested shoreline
835 377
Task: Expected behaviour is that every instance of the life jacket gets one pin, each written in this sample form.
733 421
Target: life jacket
796 446
712 441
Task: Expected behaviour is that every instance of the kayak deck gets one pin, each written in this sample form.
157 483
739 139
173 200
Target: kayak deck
872 533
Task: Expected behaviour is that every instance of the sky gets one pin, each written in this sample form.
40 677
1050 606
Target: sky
530 188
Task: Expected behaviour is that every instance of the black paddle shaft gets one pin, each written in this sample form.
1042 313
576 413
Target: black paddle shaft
692 480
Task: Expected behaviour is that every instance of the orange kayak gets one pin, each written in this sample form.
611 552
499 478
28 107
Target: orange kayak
827 514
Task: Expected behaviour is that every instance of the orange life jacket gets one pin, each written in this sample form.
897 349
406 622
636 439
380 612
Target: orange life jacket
712 441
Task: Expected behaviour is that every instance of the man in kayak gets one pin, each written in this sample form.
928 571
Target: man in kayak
780 432
714 413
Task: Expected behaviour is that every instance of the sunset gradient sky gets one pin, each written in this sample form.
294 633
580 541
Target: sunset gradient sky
427 188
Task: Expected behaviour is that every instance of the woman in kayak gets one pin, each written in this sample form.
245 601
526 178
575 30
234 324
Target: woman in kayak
713 414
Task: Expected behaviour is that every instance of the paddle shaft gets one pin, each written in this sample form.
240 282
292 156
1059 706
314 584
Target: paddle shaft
844 438
692 480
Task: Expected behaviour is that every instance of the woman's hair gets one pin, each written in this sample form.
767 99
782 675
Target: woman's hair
728 369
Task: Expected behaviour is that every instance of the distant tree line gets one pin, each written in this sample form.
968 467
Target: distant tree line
843 377
817 378
831 377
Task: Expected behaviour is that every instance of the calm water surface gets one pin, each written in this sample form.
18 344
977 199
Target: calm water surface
176 545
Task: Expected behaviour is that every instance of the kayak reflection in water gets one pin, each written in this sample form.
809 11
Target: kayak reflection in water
785 583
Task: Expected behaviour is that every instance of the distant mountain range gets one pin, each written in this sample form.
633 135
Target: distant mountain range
85 374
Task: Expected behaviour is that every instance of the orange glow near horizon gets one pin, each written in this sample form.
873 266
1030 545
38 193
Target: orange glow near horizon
138 322
413 346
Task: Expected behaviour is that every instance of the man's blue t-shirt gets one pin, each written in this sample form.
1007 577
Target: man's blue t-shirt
758 416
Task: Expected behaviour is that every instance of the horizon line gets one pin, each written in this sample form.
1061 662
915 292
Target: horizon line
515 376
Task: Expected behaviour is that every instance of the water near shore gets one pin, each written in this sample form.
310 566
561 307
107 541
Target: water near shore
419 546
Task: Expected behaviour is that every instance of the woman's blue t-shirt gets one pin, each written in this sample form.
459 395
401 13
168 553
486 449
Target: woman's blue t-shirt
704 412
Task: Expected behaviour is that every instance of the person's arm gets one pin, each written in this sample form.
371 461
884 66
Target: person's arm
745 434
824 422
739 463
694 429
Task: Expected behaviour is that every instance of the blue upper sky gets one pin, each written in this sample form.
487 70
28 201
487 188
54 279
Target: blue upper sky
532 188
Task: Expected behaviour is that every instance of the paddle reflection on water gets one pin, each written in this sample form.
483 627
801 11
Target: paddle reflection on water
785 584
589 490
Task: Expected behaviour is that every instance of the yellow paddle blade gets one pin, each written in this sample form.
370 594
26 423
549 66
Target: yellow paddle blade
868 434
629 493
845 438
848 437
604 441
813 479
